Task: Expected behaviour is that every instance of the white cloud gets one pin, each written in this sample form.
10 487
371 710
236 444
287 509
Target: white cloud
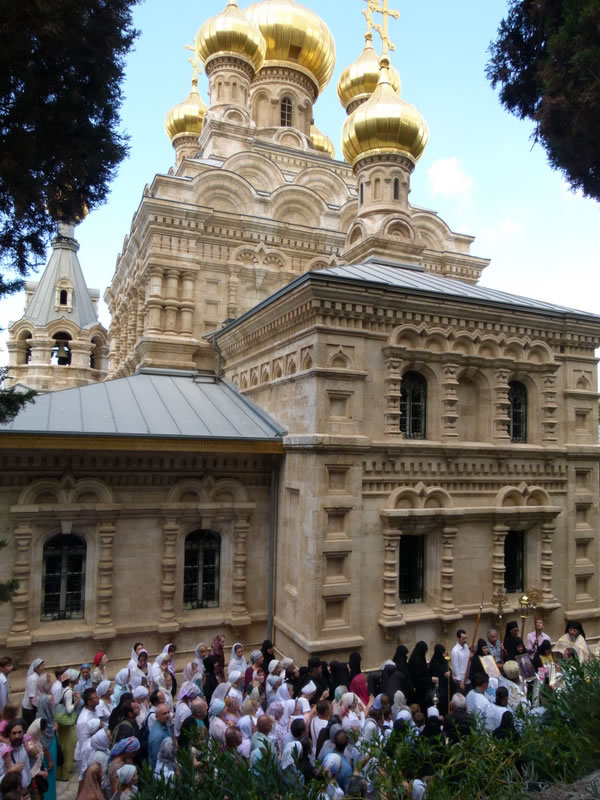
449 179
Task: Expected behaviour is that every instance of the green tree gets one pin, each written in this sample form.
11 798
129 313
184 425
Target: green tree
546 60
61 68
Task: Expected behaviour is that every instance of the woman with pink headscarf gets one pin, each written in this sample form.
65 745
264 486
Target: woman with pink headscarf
217 649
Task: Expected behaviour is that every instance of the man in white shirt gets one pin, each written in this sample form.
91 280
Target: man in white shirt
459 658
6 667
90 701
477 702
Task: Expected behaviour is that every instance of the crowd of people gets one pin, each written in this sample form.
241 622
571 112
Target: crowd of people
320 722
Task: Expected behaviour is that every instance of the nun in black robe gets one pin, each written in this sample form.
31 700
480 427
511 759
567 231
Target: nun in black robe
510 640
419 672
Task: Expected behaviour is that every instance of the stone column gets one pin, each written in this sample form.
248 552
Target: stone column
499 535
391 544
549 406
449 401
141 309
168 620
186 309
447 599
239 611
393 384
547 532
20 635
501 406
154 301
104 627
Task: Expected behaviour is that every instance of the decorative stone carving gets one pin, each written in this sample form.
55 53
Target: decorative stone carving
501 406
20 635
449 401
239 611
499 533
104 627
393 384
447 572
168 621
390 617
549 406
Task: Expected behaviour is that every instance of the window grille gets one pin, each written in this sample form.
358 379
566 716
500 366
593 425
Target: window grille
286 113
517 424
514 547
413 406
412 569
201 570
63 579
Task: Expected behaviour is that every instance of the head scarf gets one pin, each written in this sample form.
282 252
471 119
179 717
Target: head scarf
220 693
310 688
122 677
126 774
339 691
188 670
432 711
217 646
333 763
347 700
354 664
339 675
401 655
275 709
35 730
98 658
254 656
198 659
92 726
266 646
234 676
34 665
399 699
102 688
100 740
134 656
140 693
283 693
481 643
165 653
233 656
286 663
166 753
405 715
273 664
216 707
273 680
377 702
291 751
189 690
509 640
129 745
245 726
71 675
87 665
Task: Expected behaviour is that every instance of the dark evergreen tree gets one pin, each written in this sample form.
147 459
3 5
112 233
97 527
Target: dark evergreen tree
61 68
546 60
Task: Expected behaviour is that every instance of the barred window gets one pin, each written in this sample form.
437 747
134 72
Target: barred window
201 571
517 413
286 113
514 559
412 569
63 577
413 405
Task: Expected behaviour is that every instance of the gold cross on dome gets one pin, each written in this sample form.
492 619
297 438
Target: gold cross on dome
376 7
194 61
367 15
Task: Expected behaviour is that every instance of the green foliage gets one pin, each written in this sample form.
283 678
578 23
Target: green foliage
11 400
562 747
546 60
61 68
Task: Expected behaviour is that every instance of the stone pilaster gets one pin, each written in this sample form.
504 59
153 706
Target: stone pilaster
448 606
546 564
449 401
104 626
239 610
20 634
393 384
168 620
390 616
501 406
499 536
549 406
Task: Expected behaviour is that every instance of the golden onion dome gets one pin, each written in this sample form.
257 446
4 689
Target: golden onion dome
295 36
359 80
187 117
231 32
384 124
321 142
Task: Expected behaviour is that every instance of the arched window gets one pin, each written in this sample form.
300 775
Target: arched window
514 561
517 412
396 188
411 563
63 299
61 350
413 405
63 577
286 113
201 569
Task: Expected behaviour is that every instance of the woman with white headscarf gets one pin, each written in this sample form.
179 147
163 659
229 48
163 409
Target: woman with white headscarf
128 778
349 705
139 674
105 706
217 725
166 763
201 652
273 684
159 667
31 695
92 726
99 749
137 647
237 662
121 685
45 711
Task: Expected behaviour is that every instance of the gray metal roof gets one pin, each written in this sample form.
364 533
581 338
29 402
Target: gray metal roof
151 403
419 281
63 263
412 279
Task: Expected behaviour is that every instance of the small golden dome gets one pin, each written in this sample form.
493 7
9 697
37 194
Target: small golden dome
295 36
384 124
187 117
321 142
359 80
231 32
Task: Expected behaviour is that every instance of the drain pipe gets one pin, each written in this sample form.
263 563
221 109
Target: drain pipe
272 542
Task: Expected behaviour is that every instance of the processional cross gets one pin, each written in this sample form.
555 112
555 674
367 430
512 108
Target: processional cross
377 7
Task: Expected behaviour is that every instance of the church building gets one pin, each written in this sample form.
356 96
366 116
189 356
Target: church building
307 420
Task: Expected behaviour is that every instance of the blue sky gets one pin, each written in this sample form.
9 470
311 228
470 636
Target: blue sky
480 170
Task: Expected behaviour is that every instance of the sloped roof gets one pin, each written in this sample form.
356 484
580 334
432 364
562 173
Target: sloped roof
63 263
151 403
413 279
